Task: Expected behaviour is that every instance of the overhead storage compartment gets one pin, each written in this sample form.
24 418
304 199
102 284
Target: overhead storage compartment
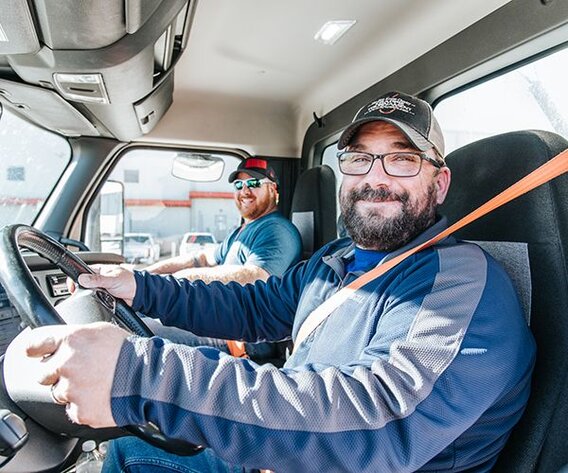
108 70
17 31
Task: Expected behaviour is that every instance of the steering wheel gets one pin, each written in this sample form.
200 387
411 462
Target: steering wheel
83 307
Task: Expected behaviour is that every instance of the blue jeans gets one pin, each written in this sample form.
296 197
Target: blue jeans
132 455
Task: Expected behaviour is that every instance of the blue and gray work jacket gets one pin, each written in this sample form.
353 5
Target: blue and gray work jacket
426 368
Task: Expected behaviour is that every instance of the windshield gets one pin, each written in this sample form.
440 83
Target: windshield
32 161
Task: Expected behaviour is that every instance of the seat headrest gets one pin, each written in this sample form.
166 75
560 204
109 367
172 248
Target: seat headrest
313 208
483 169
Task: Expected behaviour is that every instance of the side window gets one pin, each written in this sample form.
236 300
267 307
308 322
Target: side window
160 210
530 97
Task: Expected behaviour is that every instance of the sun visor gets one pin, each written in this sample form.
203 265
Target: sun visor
17 30
46 108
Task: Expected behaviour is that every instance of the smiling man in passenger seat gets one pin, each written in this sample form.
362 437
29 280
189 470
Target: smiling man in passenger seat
425 368
265 244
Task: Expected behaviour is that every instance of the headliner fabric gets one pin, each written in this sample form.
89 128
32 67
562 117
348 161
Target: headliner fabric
539 443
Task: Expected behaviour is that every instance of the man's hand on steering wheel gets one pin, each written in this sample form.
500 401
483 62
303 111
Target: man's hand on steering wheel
70 360
117 280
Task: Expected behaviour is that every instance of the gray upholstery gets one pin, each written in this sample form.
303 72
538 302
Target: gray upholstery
539 443
313 208
514 257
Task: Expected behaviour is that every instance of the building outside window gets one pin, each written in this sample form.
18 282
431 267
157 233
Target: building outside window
16 173
132 176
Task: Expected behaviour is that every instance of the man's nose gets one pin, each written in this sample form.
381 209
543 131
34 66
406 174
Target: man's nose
377 175
245 190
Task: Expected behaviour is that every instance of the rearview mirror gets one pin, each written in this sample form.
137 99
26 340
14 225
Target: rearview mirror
198 167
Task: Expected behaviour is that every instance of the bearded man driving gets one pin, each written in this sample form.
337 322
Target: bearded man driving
425 368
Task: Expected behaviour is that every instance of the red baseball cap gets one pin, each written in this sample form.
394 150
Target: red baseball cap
256 167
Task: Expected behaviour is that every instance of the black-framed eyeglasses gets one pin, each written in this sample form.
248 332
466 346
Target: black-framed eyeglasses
252 183
396 164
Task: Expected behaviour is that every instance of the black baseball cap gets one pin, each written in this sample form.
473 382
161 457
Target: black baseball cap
256 167
411 115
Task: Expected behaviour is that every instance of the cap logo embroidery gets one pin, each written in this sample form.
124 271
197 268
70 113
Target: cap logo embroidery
255 163
387 105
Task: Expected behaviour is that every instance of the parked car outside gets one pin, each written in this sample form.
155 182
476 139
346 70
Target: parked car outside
140 248
197 241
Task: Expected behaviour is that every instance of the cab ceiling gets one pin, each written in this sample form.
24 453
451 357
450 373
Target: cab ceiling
243 74
252 74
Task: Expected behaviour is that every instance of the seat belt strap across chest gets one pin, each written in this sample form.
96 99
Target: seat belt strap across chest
551 169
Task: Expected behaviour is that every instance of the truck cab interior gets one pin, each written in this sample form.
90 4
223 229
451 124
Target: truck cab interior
126 118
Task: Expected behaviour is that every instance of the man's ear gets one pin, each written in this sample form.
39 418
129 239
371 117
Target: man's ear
443 180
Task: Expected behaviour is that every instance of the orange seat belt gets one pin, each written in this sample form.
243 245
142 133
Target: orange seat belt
553 168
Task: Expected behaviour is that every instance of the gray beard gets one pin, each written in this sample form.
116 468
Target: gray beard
374 231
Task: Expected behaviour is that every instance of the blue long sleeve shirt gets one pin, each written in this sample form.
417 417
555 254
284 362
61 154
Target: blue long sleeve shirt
426 368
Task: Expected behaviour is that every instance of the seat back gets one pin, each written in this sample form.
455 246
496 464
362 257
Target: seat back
313 208
539 443
514 257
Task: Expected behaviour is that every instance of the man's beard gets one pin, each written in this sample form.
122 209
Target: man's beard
260 206
372 230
